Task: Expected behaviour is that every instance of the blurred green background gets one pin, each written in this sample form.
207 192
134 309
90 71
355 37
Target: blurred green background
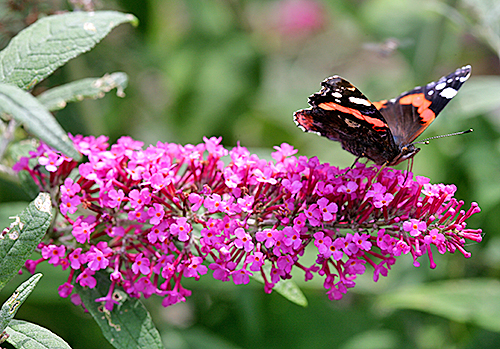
239 69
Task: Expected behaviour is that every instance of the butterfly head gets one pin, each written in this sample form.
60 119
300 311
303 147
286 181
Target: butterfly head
406 152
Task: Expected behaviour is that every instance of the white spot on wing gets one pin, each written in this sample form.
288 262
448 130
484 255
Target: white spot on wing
448 93
361 101
430 92
337 94
464 78
440 86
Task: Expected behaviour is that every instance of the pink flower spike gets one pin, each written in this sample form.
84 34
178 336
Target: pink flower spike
196 201
96 259
115 198
53 253
264 177
414 227
241 276
350 188
51 162
141 265
153 216
243 240
65 290
86 279
76 258
69 204
380 200
195 268
82 232
283 151
327 209
156 214
256 261
69 188
181 228
313 215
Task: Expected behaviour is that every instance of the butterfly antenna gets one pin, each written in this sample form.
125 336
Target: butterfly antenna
426 141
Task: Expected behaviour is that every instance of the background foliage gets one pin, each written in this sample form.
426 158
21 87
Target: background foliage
239 69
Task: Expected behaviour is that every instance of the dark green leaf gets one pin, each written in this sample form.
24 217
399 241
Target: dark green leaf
26 231
57 97
26 109
474 301
26 335
50 42
129 325
11 305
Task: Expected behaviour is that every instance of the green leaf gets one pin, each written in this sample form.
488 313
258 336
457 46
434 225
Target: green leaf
25 233
57 97
287 288
474 301
50 42
26 109
26 335
129 325
9 308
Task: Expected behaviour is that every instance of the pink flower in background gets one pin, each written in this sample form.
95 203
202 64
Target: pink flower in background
299 17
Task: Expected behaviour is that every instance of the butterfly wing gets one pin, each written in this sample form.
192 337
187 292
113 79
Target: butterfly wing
340 112
412 112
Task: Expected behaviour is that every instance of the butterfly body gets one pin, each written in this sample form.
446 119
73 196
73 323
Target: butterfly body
384 131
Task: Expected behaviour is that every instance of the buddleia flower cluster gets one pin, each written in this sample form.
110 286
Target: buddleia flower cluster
151 217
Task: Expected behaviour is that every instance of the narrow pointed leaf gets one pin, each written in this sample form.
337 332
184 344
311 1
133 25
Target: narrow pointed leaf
10 307
26 109
56 98
26 335
129 325
50 42
26 231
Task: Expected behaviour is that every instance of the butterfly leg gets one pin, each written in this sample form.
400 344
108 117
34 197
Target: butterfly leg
409 168
356 161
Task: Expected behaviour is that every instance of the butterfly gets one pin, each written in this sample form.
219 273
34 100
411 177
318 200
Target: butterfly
383 131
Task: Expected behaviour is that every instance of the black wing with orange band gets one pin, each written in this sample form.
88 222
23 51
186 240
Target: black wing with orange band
412 112
340 112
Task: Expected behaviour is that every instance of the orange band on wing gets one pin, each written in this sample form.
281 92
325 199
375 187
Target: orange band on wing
419 101
379 104
427 116
356 113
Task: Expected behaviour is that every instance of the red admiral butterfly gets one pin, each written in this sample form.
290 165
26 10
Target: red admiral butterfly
380 131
